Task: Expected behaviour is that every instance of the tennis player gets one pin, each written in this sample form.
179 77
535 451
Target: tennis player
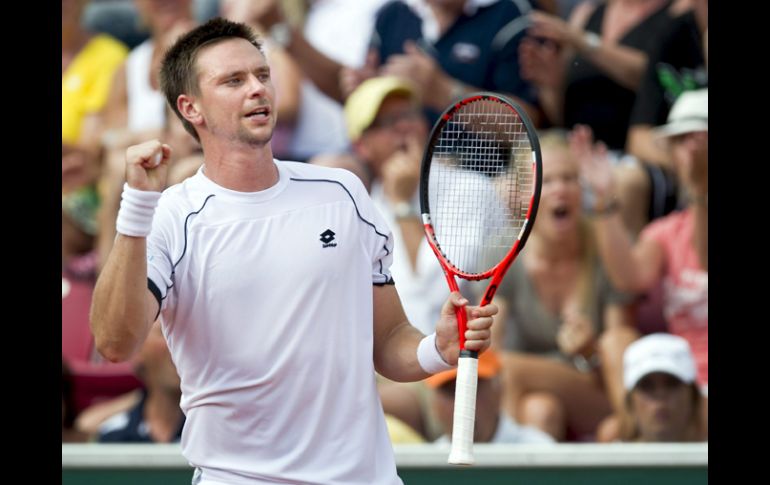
272 282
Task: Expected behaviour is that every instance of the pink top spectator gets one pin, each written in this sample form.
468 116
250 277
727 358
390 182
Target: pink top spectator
685 284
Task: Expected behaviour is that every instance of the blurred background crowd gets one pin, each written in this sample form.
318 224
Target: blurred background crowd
603 329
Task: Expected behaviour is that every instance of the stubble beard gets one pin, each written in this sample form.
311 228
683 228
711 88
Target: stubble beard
242 135
250 138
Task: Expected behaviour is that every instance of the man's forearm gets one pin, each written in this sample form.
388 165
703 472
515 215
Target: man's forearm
396 358
120 317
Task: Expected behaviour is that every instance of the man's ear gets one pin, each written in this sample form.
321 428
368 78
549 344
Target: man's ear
189 109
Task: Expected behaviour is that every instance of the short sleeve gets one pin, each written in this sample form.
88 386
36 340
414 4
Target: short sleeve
375 232
160 267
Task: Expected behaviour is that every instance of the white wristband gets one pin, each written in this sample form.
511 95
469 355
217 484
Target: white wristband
136 211
429 357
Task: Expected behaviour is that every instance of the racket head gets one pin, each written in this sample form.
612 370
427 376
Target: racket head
480 183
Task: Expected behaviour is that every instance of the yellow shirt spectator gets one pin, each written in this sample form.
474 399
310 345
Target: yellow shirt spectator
86 83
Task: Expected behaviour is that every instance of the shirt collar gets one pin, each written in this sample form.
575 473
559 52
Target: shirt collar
430 25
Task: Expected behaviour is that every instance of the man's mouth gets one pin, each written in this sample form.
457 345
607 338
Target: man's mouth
262 111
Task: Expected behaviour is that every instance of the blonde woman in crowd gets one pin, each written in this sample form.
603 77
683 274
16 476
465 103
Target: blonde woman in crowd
563 328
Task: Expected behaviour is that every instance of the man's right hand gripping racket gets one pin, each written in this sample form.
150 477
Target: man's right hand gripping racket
479 191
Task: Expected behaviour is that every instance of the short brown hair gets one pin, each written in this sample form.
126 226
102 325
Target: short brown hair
177 71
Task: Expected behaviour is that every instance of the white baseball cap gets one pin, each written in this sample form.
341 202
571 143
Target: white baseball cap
658 352
689 113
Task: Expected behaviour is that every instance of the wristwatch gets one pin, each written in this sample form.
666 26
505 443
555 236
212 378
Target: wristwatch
607 209
281 34
586 364
592 40
404 210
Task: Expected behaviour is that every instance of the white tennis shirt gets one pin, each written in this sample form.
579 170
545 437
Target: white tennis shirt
267 310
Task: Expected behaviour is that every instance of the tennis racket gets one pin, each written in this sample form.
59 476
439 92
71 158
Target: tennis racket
479 190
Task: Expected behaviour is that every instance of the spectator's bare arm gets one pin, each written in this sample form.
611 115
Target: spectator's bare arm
696 179
544 65
619 332
625 65
632 268
350 78
322 70
115 113
400 178
642 144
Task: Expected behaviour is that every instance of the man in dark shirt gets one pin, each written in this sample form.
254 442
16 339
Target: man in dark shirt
474 42
678 64
446 49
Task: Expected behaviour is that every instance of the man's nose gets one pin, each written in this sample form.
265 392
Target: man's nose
256 87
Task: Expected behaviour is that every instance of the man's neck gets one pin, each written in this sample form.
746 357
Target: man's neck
243 168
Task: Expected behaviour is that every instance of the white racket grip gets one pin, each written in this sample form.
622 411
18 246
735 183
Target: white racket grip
465 411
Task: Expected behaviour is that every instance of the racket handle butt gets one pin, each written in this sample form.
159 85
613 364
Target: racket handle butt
461 458
465 410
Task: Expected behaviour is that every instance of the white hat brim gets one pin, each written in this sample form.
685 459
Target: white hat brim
667 366
681 127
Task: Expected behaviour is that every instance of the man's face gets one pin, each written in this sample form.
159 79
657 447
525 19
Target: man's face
236 93
397 120
663 407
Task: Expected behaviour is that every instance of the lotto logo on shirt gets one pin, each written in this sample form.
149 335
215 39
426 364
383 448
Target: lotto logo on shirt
327 238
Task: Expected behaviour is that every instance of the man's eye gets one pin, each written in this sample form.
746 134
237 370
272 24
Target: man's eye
233 81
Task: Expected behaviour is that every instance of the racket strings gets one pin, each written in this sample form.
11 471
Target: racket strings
481 181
